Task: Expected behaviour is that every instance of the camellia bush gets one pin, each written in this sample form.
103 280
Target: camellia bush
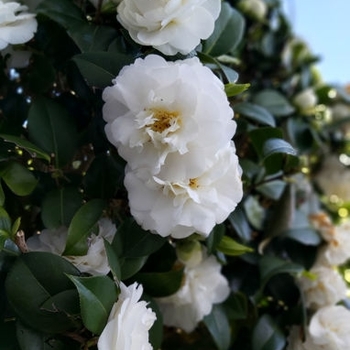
174 175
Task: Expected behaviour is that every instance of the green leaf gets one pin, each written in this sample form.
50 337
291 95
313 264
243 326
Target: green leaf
228 32
86 35
261 135
272 189
270 266
132 241
239 222
267 335
219 327
254 211
255 113
304 235
113 261
236 306
5 221
15 227
160 284
2 195
82 226
274 102
19 179
33 150
59 207
130 266
235 89
215 237
51 128
275 145
97 295
230 247
100 68
34 279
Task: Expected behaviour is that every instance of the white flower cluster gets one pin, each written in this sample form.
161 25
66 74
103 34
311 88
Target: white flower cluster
203 286
329 327
128 323
16 25
169 26
95 262
172 123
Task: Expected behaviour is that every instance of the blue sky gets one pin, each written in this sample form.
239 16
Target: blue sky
324 25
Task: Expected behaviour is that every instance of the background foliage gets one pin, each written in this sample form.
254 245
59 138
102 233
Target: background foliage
57 168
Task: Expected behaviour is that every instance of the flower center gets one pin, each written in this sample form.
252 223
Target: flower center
163 120
193 183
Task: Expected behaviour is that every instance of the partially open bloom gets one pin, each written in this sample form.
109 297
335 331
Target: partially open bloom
204 285
16 25
156 108
169 26
179 201
256 9
337 249
128 323
306 100
326 287
334 178
94 262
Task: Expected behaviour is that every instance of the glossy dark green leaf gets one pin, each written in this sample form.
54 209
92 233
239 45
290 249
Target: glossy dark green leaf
274 102
130 266
18 178
219 327
236 306
270 266
215 237
240 223
33 150
228 32
100 68
255 113
135 242
97 295
305 235
261 135
51 128
59 207
272 189
230 247
267 335
275 145
113 261
30 339
82 226
104 176
5 221
160 284
42 276
2 195
235 89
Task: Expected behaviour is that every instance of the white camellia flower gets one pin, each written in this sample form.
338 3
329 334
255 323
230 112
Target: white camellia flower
327 287
128 323
16 25
179 201
306 100
329 329
169 26
334 178
94 262
156 108
337 249
203 286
